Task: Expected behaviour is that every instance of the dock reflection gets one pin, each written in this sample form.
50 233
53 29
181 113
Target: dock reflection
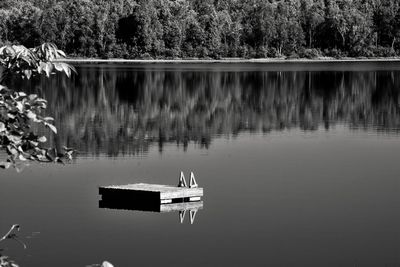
151 206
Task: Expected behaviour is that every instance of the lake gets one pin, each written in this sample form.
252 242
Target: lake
299 164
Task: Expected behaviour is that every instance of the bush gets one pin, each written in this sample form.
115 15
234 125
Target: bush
293 55
202 52
146 56
120 51
334 52
172 53
381 51
369 52
262 52
252 53
272 52
310 53
243 52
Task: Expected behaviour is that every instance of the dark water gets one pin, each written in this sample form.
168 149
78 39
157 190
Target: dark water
300 165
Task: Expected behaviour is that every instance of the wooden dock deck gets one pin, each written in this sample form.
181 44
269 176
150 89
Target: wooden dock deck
151 193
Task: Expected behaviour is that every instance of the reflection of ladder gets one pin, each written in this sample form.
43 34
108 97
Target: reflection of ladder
192 213
192 184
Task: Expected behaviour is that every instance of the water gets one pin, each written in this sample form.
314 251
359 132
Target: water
299 163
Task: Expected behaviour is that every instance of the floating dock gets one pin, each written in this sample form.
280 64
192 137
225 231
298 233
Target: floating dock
151 193
155 197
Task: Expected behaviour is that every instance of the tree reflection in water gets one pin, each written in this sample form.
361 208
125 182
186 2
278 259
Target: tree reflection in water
119 110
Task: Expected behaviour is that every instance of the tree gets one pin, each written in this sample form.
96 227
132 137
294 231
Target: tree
170 17
193 44
141 30
23 24
385 21
56 25
4 31
312 15
360 35
207 19
225 28
289 34
104 28
80 25
259 24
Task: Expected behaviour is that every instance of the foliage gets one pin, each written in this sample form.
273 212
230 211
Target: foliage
4 260
27 62
7 262
19 111
104 264
203 28
310 53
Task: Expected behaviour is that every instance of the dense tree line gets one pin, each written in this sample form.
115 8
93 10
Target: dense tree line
205 28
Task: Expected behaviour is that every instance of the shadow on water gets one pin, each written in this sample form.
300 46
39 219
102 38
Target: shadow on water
180 207
122 110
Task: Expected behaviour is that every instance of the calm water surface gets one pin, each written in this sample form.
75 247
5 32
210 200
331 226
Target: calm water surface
300 165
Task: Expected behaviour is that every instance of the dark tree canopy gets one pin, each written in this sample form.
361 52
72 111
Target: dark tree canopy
205 28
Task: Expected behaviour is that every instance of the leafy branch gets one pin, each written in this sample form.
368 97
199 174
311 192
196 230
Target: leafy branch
7 262
19 111
30 61
4 260
11 235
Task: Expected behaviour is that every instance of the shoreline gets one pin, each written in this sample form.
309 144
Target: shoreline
229 60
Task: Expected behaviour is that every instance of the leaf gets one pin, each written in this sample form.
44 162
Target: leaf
67 69
5 165
33 143
32 96
40 100
14 138
41 67
48 119
52 127
20 107
12 151
48 68
68 149
51 154
106 264
28 74
61 53
31 115
2 127
58 66
68 155
42 139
